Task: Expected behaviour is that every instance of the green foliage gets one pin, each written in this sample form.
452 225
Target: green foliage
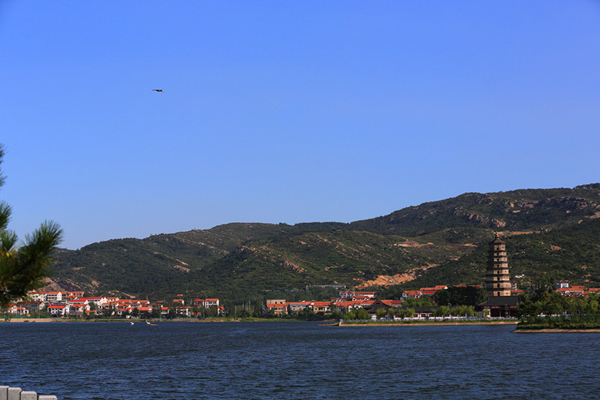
425 301
405 312
580 321
542 285
462 310
381 312
306 314
22 269
357 314
393 292
442 311
554 304
460 296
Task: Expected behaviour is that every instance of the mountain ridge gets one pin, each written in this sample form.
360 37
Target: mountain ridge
413 242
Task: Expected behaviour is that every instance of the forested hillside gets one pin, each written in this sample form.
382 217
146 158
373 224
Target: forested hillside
442 242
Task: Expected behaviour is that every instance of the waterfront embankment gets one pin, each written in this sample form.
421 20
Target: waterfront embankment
425 323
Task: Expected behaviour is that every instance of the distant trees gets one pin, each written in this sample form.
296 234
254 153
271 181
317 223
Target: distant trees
404 312
543 284
359 314
460 296
559 312
22 269
306 313
442 311
381 312
426 301
393 292
555 304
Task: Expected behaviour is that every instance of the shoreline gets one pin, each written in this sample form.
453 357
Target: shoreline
140 321
557 330
431 323
66 320
220 320
19 320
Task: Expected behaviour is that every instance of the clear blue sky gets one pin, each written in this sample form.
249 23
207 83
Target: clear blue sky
287 111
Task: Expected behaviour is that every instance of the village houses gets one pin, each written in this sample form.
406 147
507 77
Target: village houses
74 304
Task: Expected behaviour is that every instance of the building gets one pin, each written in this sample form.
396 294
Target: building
356 295
500 301
54 297
319 306
206 303
497 277
501 306
296 306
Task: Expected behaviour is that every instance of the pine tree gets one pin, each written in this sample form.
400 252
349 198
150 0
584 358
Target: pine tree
23 268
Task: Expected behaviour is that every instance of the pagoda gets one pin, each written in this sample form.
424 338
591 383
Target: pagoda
500 302
497 277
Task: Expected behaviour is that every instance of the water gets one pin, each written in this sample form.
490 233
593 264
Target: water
295 361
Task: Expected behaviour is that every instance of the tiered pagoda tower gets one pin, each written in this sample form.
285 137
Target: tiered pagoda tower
497 277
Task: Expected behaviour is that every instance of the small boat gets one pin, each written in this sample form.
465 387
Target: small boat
131 323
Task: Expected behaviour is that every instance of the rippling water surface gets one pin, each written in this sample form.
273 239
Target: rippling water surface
295 361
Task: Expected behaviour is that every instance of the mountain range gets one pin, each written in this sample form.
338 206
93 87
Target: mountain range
443 242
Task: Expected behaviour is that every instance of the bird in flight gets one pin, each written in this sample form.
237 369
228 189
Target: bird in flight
157 90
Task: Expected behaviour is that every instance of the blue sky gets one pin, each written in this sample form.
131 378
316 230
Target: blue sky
281 111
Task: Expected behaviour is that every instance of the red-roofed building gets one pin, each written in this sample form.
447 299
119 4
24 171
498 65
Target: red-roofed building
428 291
211 302
77 310
184 311
98 301
392 303
78 302
58 310
571 291
277 309
319 306
37 296
22 311
352 294
207 303
276 306
412 294
74 295
17 310
34 306
54 297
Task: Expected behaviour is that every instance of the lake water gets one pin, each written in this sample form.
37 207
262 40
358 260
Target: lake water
295 361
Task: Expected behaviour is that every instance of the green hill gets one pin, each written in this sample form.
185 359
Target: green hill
433 243
527 209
